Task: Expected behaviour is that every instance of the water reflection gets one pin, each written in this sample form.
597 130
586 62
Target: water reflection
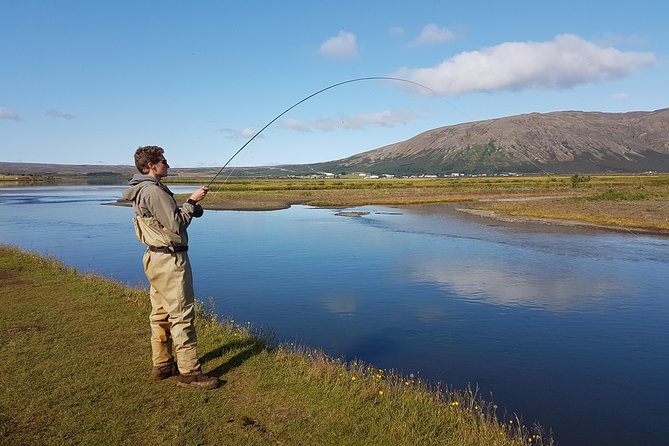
540 317
340 304
430 313
518 286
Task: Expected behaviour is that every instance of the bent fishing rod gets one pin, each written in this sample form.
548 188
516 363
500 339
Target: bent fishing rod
359 79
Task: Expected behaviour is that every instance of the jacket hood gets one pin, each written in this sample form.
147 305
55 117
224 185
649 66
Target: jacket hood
137 183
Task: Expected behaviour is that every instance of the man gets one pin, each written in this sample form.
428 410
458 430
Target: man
161 225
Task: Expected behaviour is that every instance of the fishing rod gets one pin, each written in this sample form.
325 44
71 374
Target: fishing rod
359 79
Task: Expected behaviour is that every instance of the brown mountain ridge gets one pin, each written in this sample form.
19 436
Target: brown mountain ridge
557 142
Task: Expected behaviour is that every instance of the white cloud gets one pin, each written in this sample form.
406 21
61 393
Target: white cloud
621 97
432 34
564 62
343 45
239 133
611 39
8 114
397 31
59 115
294 124
387 118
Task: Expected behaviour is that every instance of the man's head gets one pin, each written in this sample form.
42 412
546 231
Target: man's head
149 156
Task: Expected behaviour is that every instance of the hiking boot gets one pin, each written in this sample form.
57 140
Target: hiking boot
198 381
164 371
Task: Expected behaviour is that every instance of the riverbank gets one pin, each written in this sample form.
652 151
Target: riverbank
627 203
76 364
564 220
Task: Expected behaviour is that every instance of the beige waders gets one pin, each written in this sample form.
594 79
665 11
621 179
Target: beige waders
172 318
172 310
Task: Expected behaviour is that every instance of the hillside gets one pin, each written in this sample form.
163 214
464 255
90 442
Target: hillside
558 142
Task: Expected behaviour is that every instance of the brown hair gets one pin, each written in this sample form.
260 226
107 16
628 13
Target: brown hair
145 155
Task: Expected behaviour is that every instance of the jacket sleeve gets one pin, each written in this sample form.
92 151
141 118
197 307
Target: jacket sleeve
164 208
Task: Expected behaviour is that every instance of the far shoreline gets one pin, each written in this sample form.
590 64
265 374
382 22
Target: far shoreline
516 221
463 208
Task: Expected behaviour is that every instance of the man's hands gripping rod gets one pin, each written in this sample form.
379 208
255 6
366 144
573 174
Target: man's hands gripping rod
196 197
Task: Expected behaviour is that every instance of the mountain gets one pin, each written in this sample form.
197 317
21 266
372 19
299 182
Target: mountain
558 142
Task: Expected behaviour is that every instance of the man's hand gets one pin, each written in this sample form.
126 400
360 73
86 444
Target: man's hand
199 194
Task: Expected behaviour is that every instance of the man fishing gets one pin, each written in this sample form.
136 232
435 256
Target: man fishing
161 225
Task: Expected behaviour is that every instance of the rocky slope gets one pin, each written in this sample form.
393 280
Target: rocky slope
569 141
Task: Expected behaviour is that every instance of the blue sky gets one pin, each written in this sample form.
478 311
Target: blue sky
87 82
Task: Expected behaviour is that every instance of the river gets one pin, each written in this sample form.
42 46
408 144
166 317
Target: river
566 327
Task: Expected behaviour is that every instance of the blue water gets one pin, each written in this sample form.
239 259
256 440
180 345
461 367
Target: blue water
569 328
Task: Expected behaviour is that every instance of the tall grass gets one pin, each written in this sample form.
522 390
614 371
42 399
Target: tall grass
76 363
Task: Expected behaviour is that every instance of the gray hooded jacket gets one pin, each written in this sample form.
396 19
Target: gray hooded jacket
159 221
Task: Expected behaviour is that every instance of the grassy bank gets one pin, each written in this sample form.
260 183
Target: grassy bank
243 194
625 201
631 202
25 179
76 362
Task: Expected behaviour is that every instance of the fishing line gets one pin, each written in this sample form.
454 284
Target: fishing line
377 78
359 79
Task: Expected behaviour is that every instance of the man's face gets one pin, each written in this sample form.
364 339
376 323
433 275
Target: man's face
159 168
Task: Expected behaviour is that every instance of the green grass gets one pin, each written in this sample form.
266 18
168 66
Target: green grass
620 201
75 370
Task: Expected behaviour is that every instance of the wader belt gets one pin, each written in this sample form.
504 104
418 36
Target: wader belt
168 250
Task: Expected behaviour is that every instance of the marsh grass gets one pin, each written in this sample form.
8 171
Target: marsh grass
76 364
280 193
622 201
626 202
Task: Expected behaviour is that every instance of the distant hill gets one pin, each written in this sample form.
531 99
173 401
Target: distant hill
109 174
558 142
66 170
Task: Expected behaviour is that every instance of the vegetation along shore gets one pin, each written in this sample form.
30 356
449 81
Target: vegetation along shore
76 364
638 203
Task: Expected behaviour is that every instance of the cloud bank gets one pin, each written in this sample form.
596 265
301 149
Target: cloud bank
564 62
432 35
7 114
386 118
59 115
342 46
239 133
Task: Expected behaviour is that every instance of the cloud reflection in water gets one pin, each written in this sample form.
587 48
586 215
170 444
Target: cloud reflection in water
341 304
519 285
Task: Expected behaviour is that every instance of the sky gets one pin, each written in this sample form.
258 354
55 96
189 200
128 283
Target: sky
87 82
